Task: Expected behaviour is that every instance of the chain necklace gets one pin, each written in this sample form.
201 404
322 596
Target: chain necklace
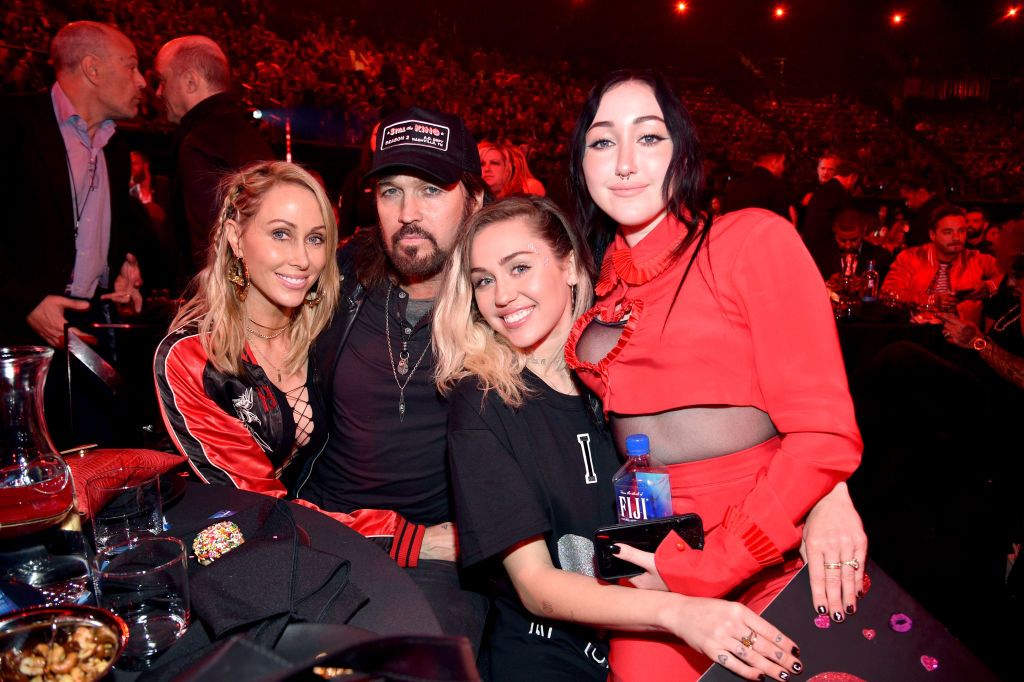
402 367
278 330
263 358
80 207
1006 320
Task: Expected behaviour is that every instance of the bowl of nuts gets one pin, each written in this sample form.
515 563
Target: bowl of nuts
60 644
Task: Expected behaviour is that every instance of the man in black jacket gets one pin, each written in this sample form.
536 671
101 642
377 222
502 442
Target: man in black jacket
215 137
386 458
762 187
921 199
826 203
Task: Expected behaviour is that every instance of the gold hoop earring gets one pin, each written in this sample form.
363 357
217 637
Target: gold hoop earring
238 275
313 298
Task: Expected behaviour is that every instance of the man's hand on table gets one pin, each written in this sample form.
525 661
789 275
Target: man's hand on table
439 542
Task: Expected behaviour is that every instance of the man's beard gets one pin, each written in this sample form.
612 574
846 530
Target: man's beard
412 261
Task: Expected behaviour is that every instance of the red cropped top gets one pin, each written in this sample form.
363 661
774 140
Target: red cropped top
751 326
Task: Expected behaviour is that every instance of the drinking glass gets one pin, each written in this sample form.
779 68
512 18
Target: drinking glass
126 505
145 583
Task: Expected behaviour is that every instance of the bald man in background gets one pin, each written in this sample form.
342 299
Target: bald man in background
215 136
71 231
70 225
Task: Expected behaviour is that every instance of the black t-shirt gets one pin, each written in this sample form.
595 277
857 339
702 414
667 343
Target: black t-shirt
377 458
544 469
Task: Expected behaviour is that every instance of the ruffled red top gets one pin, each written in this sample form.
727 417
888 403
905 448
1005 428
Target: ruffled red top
751 326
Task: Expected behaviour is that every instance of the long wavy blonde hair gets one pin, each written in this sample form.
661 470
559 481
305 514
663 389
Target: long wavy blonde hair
215 306
465 345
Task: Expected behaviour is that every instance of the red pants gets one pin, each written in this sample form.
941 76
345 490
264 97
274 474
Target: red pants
706 487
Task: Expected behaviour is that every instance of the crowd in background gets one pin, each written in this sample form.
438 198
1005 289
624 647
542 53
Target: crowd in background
334 82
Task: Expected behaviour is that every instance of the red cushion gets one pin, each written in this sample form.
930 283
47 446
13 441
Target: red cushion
103 462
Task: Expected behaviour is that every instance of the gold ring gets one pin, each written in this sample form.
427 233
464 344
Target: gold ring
833 564
749 640
853 563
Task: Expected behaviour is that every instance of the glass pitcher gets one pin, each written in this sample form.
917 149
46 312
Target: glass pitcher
40 531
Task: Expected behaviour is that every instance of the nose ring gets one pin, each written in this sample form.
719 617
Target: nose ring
624 173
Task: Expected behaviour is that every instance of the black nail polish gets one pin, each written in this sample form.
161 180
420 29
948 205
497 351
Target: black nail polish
850 610
762 677
783 676
860 594
614 549
838 616
796 651
797 667
822 610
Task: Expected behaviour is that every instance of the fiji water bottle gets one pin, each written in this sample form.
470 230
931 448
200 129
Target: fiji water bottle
641 490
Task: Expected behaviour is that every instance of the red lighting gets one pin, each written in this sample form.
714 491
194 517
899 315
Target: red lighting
897 19
779 12
681 7
1012 12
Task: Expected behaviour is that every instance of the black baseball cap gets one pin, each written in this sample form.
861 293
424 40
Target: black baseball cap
429 141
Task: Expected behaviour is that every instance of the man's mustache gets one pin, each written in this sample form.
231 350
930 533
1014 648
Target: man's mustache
412 230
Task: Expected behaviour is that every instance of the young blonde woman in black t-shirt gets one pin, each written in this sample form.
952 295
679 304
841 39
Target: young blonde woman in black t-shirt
532 463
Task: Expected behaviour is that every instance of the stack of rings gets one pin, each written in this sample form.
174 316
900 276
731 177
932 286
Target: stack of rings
852 563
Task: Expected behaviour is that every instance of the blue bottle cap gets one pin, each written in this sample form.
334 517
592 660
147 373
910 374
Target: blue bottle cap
638 444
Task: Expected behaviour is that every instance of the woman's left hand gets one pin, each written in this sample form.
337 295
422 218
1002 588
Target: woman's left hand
835 550
650 579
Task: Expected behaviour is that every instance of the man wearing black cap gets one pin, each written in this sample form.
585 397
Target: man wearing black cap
386 460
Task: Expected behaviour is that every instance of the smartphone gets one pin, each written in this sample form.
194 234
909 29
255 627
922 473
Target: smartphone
644 535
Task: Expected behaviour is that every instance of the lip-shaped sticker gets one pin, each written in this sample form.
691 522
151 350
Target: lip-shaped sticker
900 622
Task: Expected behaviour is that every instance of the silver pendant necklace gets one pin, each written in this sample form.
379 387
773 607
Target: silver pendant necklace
402 366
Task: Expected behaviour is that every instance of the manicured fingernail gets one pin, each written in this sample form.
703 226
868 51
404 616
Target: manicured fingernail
614 549
850 610
822 610
838 616
784 676
797 667
762 677
796 651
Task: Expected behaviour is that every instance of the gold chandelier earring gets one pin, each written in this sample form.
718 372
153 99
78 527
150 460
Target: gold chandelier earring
238 274
313 298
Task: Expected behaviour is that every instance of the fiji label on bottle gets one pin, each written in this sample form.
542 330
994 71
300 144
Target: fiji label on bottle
642 496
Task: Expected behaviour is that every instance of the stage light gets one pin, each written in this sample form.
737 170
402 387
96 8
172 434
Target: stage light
257 114
897 19
779 12
1012 12
681 7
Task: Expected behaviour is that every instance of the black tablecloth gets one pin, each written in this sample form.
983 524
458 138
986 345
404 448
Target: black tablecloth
396 605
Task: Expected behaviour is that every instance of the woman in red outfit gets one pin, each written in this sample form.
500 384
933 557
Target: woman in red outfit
716 340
